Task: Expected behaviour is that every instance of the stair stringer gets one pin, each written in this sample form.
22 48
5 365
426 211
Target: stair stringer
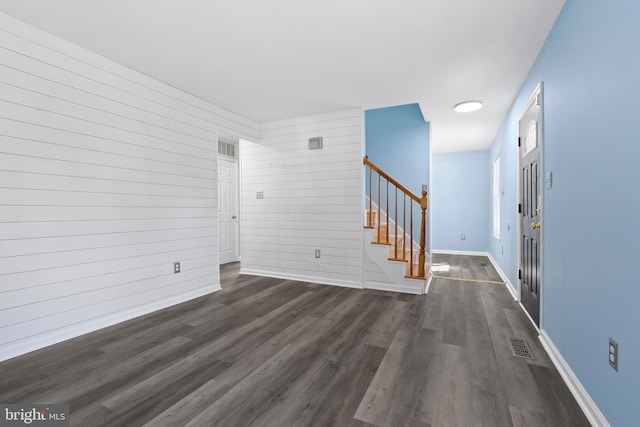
394 270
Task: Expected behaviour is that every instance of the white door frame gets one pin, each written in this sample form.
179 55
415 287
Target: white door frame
537 92
238 194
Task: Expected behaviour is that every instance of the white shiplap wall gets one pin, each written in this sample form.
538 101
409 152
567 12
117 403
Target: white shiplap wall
312 200
106 178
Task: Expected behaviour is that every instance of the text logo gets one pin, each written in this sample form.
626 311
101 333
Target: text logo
34 415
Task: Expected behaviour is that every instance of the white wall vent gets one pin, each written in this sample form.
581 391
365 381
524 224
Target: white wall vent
227 149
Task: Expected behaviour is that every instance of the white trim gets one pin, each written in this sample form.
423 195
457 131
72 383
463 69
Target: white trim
303 278
390 287
502 274
496 197
429 195
454 252
37 342
363 190
589 407
427 285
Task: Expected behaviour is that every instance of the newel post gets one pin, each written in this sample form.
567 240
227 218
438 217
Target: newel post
423 227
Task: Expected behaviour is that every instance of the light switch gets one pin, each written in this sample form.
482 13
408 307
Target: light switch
548 178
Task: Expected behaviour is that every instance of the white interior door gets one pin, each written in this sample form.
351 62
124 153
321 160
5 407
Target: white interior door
227 209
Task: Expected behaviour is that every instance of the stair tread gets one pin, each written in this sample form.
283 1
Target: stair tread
427 267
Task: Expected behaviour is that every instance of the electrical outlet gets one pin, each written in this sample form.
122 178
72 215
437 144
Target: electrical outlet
463 236
260 195
613 353
317 253
176 267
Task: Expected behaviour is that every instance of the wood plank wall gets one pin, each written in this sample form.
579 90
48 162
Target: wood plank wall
107 177
312 200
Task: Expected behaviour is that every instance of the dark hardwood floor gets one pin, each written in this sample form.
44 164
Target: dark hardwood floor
270 352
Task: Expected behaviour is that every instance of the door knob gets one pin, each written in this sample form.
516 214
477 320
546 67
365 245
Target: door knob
535 226
234 217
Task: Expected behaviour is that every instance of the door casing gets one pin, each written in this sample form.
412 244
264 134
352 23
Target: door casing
236 207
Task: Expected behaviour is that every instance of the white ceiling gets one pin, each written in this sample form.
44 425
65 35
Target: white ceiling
276 59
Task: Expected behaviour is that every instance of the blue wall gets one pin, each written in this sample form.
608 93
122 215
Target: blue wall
461 200
397 140
590 66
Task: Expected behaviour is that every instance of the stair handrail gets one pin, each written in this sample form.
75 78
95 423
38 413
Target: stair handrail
422 201
366 161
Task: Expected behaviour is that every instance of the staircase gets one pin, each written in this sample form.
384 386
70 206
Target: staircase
394 259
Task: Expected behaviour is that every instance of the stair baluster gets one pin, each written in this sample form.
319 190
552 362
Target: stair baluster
380 238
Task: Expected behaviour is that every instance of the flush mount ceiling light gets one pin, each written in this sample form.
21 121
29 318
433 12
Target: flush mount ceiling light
468 106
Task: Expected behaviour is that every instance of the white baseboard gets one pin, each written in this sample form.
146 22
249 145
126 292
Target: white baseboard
302 278
37 342
390 287
427 285
510 288
589 407
452 252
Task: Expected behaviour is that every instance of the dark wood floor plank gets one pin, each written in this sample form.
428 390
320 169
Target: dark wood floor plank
378 400
493 310
190 406
434 315
78 392
523 418
453 310
388 323
419 371
335 298
522 328
214 314
91 416
150 337
254 334
340 403
559 406
21 383
239 405
273 352
517 381
236 294
451 400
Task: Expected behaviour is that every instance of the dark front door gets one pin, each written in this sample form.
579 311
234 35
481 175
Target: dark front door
530 128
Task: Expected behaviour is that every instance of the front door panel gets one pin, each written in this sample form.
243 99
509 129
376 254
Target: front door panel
530 128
